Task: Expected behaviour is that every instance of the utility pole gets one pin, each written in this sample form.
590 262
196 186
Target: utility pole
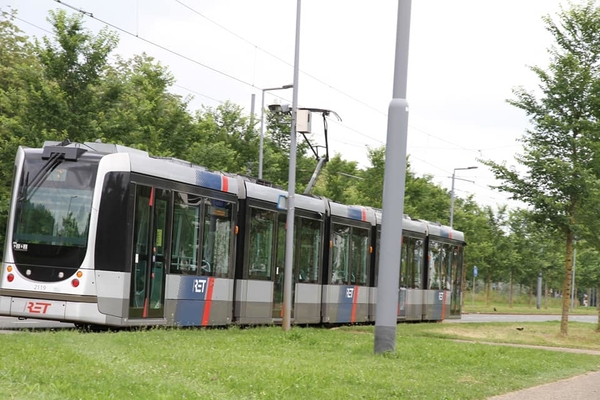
393 192
289 233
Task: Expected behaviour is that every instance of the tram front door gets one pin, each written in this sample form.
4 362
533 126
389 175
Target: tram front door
147 294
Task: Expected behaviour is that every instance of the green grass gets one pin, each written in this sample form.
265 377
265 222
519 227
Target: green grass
267 363
580 336
521 305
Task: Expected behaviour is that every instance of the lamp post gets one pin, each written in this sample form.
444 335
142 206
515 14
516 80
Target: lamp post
452 193
574 262
262 125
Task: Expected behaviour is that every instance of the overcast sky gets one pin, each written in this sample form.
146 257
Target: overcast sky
465 58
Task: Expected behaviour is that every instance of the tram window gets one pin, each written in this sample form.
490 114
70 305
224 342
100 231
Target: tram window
309 254
405 267
412 257
447 251
456 267
377 257
184 248
340 265
417 263
262 230
435 265
360 256
217 238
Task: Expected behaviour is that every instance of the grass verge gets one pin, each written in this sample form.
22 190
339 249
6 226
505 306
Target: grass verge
267 363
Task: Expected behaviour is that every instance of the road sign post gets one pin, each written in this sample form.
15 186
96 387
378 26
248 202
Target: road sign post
473 288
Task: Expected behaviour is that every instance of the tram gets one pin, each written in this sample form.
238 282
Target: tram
105 235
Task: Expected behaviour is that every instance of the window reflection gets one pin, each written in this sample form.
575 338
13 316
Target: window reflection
309 254
184 257
217 234
412 258
350 255
262 234
206 251
56 209
443 265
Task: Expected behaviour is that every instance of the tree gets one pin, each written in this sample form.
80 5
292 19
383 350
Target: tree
74 61
338 180
560 158
137 109
20 78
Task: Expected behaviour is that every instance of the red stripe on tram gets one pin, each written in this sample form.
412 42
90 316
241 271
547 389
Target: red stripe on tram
145 312
208 301
364 215
151 201
225 183
354 300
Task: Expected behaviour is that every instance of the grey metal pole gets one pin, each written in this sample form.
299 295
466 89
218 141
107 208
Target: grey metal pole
573 276
452 191
452 200
262 135
539 291
252 101
393 192
289 234
262 127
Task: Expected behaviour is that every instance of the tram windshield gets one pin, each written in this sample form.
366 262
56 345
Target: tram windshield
53 211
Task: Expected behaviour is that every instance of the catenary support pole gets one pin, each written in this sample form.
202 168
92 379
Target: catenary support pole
393 192
289 233
539 291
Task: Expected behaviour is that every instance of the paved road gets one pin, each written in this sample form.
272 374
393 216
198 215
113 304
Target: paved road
581 387
15 323
521 318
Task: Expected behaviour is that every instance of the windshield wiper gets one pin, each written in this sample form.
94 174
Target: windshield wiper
41 175
55 155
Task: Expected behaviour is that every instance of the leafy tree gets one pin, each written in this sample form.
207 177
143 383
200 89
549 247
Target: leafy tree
20 78
560 150
370 188
74 61
338 180
426 200
139 111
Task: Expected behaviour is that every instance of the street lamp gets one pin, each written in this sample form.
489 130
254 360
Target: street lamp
452 192
262 125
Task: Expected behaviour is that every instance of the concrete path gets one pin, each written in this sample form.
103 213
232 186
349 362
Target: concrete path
581 387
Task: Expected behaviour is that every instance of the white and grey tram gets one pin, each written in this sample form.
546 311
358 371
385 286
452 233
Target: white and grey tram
101 234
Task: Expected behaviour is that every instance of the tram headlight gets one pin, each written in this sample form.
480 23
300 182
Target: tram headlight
10 277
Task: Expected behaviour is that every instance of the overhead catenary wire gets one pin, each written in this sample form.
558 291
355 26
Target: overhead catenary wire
251 85
229 76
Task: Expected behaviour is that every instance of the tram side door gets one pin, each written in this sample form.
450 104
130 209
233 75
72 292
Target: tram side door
147 294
